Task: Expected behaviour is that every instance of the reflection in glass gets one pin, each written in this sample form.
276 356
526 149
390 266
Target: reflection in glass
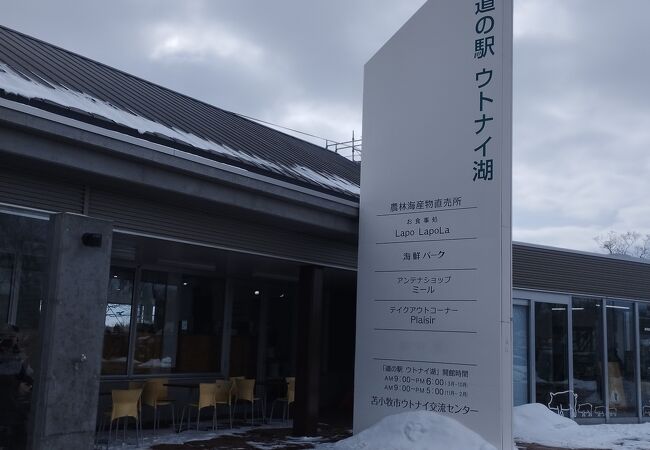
244 329
520 354
150 323
280 331
179 321
118 321
198 319
23 268
644 336
588 357
551 353
6 273
620 358
32 291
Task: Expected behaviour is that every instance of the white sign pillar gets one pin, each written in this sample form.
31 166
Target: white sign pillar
434 286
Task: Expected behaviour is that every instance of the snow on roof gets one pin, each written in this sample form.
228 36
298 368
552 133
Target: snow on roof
34 87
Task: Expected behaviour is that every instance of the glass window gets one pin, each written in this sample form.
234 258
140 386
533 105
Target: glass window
245 330
280 333
198 318
118 322
150 317
31 291
179 322
621 358
23 240
644 335
23 269
588 356
551 353
6 273
520 354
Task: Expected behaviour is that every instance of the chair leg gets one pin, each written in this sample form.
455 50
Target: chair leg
110 429
230 413
182 417
173 418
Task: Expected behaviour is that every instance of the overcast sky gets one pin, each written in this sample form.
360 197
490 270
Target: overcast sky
581 84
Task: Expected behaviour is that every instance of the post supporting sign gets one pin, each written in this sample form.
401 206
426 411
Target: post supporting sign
434 286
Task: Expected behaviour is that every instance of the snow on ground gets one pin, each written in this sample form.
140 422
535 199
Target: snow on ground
535 423
421 430
164 436
24 86
414 430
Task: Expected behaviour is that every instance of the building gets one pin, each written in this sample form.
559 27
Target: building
234 247
581 322
215 218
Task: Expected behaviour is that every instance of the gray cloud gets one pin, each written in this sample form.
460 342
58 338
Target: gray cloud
581 100
582 121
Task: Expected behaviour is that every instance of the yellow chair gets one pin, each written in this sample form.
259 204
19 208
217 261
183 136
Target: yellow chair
125 405
233 388
155 395
288 399
246 392
206 400
138 385
223 395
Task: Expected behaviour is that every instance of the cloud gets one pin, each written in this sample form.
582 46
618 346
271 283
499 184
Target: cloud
581 121
567 236
334 121
581 97
203 42
547 19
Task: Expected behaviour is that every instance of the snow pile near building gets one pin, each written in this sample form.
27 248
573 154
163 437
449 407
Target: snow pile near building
415 430
536 424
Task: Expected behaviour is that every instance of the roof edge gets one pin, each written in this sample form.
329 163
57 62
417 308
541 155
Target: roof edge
622 258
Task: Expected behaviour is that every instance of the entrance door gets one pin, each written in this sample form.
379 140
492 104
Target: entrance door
551 354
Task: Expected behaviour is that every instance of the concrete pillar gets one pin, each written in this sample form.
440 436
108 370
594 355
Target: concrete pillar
308 357
66 387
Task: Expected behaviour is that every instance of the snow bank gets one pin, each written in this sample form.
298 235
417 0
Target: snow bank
415 430
535 423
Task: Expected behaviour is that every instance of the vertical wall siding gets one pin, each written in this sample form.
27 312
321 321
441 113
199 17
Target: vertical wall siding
36 191
211 227
557 270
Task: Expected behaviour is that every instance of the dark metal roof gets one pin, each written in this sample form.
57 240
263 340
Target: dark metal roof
45 64
553 269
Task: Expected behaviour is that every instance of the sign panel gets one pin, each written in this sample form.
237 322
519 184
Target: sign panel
434 284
